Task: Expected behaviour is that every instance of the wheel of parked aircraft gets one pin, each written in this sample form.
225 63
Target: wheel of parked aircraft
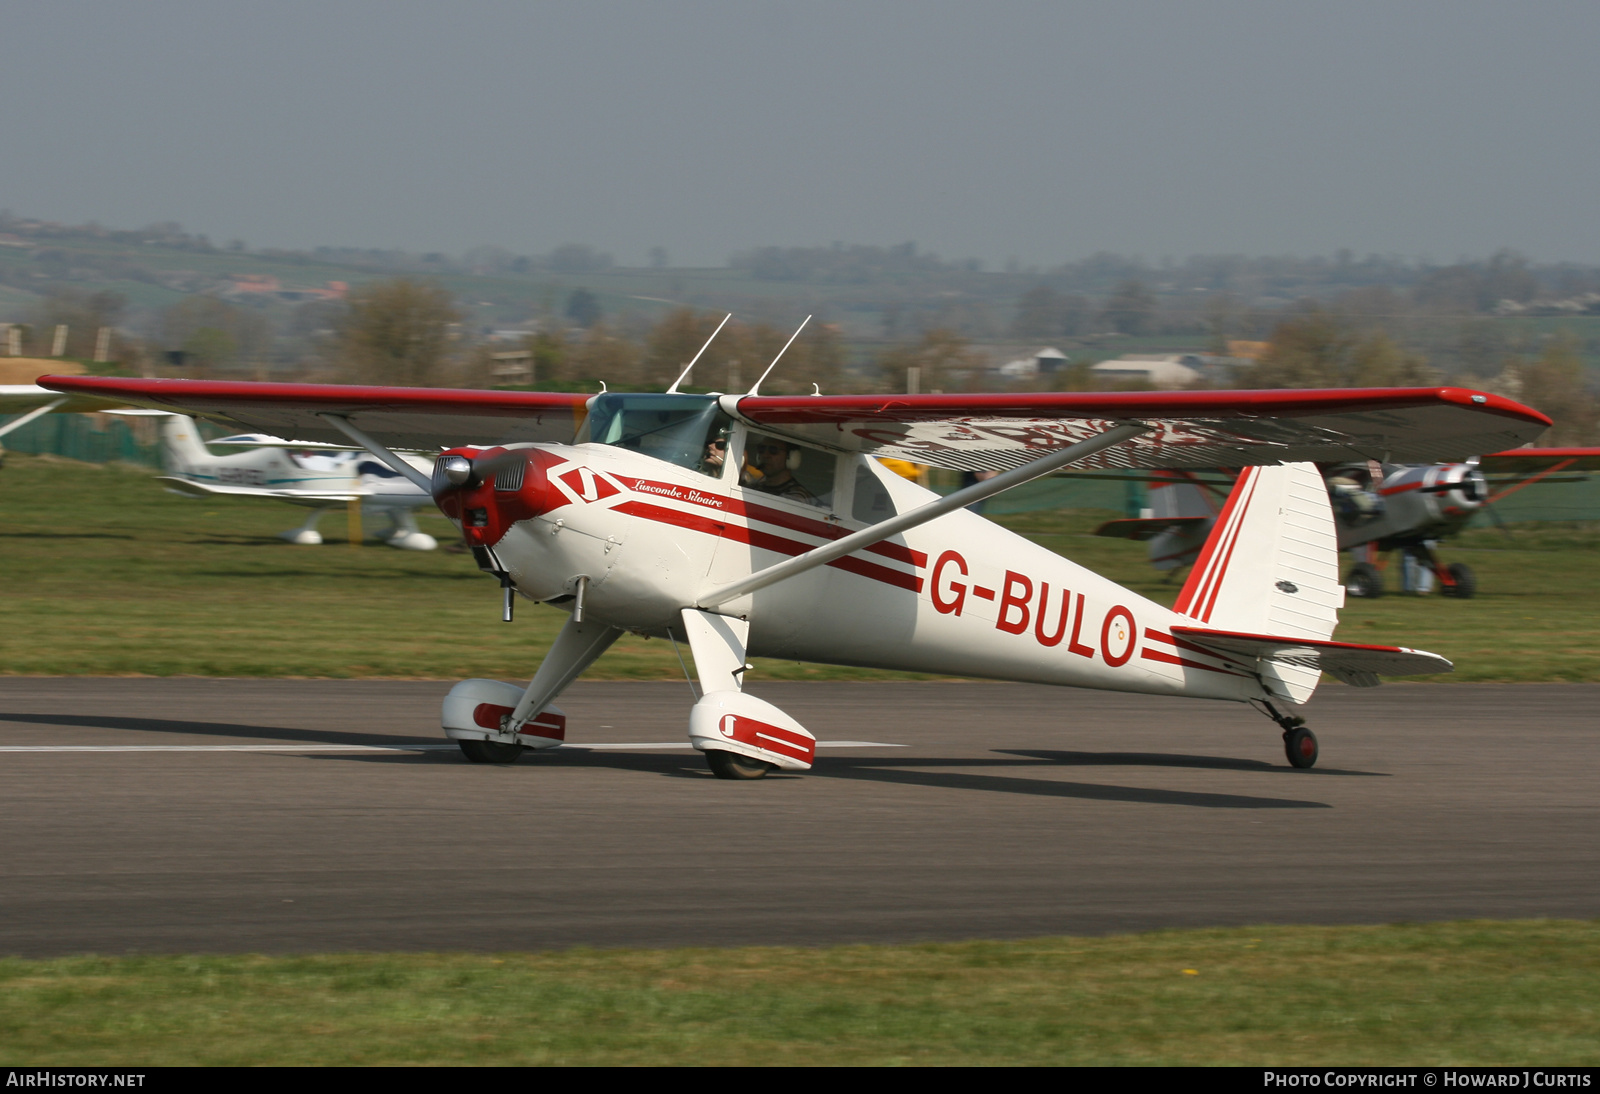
1365 581
731 765
1300 745
1466 583
490 752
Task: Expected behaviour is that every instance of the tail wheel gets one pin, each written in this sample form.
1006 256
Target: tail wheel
1365 581
731 765
490 752
1464 582
1300 745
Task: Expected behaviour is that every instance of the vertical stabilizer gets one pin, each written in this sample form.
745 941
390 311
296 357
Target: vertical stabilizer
181 447
1271 567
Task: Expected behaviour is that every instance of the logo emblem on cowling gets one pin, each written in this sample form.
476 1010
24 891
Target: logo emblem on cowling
726 725
582 484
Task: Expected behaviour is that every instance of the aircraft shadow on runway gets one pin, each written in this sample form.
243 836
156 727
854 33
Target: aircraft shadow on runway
1163 759
911 772
906 771
903 771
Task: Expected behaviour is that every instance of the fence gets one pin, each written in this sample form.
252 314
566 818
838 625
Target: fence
93 438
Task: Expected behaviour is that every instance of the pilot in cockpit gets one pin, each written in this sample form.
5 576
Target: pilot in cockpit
769 466
1355 495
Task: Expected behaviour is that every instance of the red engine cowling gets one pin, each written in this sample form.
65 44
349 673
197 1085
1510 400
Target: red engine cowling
505 485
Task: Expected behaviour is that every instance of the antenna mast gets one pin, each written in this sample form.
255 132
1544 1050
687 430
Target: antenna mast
684 375
781 352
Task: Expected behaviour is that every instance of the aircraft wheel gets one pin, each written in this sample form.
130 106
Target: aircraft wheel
731 765
1465 582
1365 581
1300 745
490 752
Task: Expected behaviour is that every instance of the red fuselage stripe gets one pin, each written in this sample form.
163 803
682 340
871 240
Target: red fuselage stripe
766 515
1161 636
1160 655
767 541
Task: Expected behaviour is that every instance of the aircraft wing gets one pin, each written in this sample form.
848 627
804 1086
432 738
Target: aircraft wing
979 432
21 398
262 440
415 418
203 489
1539 461
1351 662
961 432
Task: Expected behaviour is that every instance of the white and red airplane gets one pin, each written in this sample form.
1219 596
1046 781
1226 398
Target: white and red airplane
761 526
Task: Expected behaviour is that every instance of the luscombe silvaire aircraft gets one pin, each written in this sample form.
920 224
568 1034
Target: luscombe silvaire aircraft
635 512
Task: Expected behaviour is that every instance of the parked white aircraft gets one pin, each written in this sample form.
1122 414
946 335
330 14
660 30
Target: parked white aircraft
322 476
319 475
752 525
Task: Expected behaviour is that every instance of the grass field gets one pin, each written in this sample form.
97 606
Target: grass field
107 574
1462 993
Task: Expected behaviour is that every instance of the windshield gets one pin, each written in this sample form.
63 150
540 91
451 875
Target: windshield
675 428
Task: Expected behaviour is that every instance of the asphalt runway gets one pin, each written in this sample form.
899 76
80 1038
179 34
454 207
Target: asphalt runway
186 815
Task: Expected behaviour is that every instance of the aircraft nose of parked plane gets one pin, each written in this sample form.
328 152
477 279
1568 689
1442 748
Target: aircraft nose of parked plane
488 490
1460 488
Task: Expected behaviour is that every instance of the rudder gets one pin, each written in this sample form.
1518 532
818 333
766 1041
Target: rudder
181 447
1271 564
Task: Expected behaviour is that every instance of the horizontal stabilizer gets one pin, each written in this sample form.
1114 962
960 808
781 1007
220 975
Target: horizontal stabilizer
1145 528
1353 663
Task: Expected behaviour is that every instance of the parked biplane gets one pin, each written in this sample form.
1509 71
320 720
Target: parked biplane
1378 507
753 525
319 475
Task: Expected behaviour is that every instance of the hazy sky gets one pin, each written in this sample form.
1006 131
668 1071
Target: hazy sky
1036 131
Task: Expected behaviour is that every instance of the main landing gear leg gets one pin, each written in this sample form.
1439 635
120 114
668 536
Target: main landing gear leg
1455 580
1299 743
575 649
742 737
306 535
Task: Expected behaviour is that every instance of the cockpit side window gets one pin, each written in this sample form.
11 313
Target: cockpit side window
872 500
777 466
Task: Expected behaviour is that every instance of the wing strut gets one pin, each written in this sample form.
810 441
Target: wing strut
821 556
342 424
31 415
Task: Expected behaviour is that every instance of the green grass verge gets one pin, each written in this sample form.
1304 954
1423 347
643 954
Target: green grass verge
107 574
1458 993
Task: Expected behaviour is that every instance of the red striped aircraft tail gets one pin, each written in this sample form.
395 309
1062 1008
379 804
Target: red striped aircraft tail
1271 563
